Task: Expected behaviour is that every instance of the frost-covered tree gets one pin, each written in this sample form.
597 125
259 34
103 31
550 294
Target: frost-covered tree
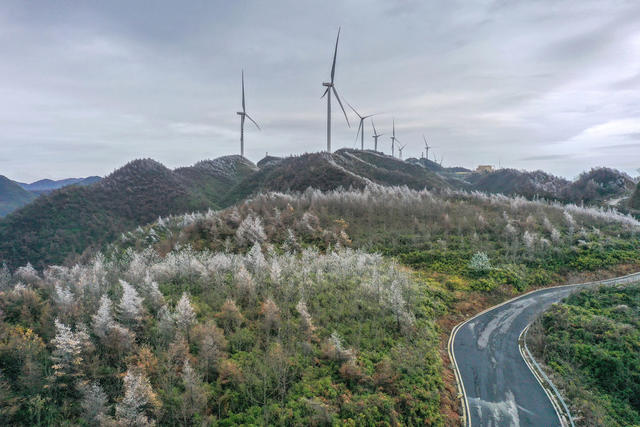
480 262
103 320
185 315
250 231
271 314
94 403
66 356
64 299
194 397
166 324
307 321
130 308
138 400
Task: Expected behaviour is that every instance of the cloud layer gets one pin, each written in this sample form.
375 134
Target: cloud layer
87 86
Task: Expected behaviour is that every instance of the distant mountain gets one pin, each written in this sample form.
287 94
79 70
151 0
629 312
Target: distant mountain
61 225
523 183
599 185
595 187
48 185
12 196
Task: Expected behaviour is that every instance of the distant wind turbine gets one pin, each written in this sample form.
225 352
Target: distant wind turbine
376 135
426 146
400 148
360 126
332 88
242 115
393 140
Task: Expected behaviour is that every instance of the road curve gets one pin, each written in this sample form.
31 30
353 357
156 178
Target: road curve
497 386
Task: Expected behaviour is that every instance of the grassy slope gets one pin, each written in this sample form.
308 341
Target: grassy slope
591 345
12 196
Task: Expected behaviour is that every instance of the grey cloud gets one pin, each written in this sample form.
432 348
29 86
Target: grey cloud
484 80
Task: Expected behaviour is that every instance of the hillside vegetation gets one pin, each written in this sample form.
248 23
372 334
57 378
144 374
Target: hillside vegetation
60 226
591 345
12 196
594 187
278 311
72 221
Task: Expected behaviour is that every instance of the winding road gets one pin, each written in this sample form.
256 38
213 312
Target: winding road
498 387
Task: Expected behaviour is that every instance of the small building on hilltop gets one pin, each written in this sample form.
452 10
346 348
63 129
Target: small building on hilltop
484 168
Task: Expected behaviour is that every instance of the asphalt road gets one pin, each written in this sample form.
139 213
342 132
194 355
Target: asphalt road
499 388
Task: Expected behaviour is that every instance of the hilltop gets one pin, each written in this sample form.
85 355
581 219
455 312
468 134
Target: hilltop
62 225
12 196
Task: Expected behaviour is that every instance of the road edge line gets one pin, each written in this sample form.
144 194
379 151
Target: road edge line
558 403
465 402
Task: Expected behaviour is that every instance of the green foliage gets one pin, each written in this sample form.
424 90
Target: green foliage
592 343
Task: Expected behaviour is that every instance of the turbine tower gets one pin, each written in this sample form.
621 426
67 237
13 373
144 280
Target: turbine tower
331 88
393 140
400 148
360 126
376 135
426 146
242 115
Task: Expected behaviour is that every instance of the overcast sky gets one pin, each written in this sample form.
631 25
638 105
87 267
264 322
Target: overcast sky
87 86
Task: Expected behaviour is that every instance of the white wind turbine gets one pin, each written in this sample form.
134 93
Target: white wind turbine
376 135
331 88
426 146
393 140
400 148
242 115
360 126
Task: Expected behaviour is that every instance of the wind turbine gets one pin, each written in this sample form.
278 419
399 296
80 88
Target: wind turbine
400 148
242 115
393 140
426 146
360 126
376 135
331 88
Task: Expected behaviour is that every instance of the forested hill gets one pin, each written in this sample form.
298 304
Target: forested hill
60 226
12 196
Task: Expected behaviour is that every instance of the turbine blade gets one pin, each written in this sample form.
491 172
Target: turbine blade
243 106
335 53
354 110
335 92
325 93
359 128
254 122
375 132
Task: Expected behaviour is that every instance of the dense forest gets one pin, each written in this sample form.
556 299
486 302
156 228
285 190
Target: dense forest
315 308
591 346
